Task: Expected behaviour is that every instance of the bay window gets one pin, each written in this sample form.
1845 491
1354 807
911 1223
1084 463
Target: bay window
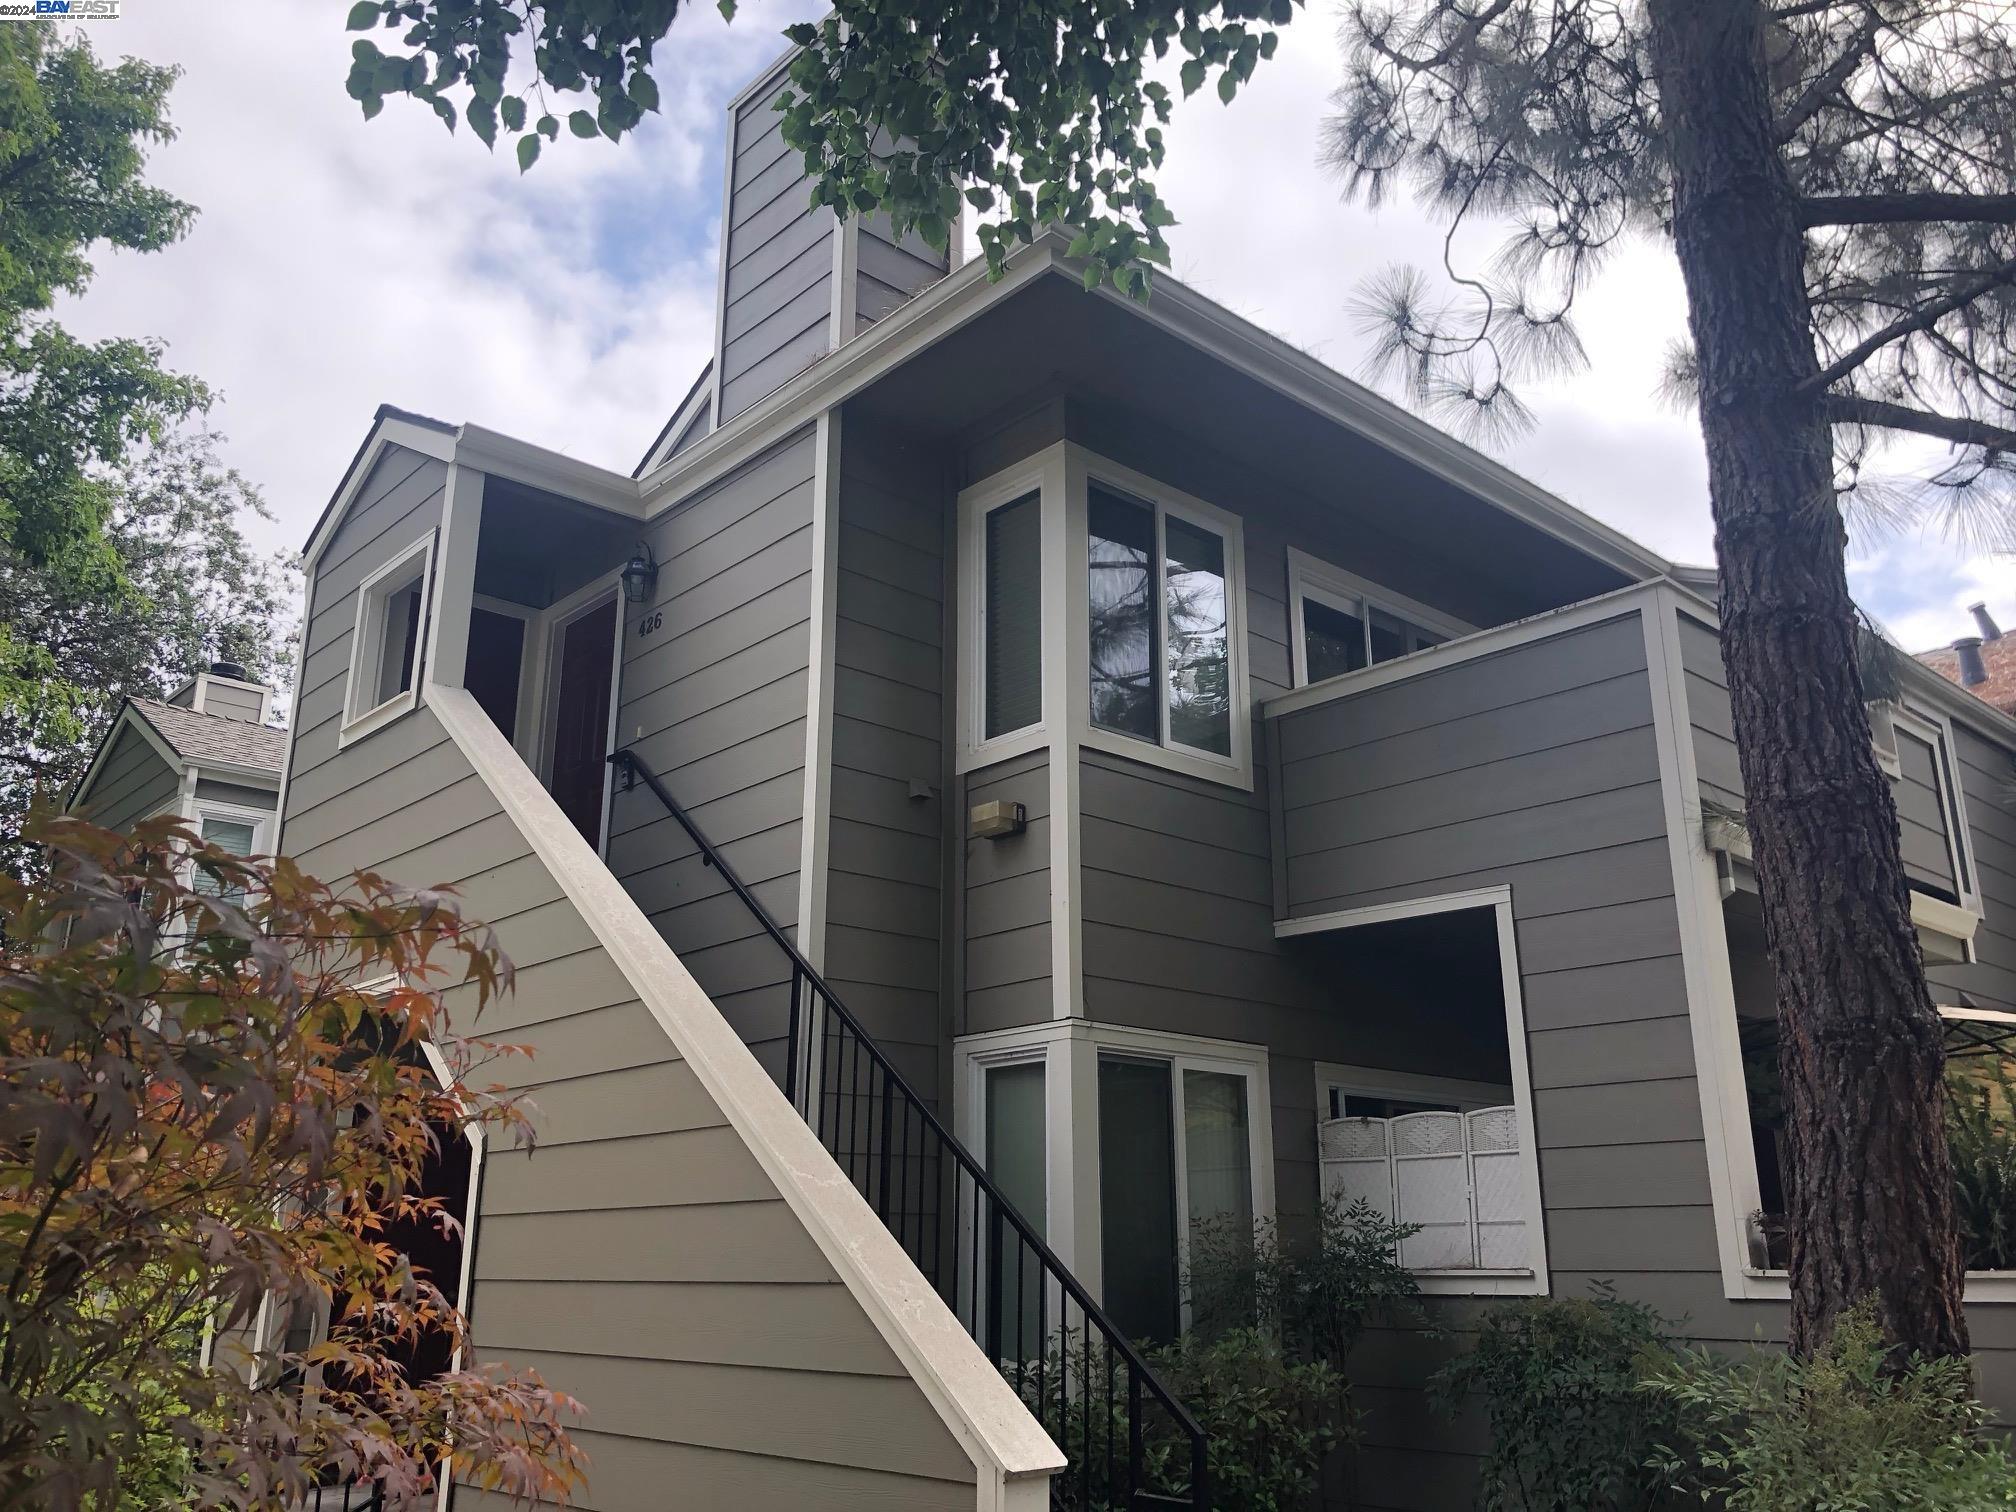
1110 601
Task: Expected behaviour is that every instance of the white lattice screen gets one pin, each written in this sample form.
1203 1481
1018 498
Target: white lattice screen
1456 1175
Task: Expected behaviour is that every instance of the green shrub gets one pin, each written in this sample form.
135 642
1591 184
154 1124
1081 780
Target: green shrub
1838 1433
1270 1422
1981 1136
1314 1297
1571 1430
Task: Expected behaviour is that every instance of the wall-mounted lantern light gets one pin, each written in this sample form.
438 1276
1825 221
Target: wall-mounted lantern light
640 575
992 821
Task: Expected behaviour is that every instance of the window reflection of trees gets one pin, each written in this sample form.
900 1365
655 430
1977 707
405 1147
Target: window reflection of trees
1126 624
1122 615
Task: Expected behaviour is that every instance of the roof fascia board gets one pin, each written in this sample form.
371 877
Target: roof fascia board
489 451
1956 702
947 305
698 397
1240 344
486 451
231 771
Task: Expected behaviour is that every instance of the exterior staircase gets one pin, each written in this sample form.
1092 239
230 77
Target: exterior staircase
1129 1442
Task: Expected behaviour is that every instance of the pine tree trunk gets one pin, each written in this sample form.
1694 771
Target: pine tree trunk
1871 1198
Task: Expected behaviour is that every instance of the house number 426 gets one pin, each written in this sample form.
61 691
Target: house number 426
652 623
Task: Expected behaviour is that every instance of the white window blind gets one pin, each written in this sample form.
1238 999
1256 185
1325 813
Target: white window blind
1455 1175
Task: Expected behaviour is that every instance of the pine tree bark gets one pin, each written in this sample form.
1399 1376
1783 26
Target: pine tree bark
1871 1199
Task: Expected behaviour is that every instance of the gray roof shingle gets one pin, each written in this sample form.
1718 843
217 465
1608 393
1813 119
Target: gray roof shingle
211 737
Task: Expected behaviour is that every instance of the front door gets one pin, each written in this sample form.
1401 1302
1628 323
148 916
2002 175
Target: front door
583 669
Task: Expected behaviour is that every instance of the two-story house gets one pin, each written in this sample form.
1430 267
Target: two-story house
1117 741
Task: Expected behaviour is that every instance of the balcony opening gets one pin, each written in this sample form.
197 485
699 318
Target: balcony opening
1422 1103
545 632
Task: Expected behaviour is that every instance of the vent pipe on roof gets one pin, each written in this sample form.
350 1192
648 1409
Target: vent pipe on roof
1985 622
1973 671
227 669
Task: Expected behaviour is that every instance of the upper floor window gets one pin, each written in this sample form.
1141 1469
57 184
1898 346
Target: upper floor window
385 644
1158 635
1110 601
1340 623
1931 812
1012 617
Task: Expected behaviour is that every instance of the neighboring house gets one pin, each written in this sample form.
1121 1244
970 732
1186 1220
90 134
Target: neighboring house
1209 785
1984 664
207 753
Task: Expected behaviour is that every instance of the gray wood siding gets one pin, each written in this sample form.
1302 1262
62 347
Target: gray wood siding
232 703
885 849
777 248
888 273
133 784
398 504
640 1260
714 701
1922 823
1007 901
1534 767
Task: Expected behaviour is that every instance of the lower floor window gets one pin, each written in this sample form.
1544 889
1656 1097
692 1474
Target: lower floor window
1170 1153
1175 1170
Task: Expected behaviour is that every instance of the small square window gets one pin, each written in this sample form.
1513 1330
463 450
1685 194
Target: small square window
235 837
385 652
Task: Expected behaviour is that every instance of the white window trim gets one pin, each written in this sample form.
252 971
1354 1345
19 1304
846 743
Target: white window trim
1063 472
195 810
1044 475
1312 577
1236 769
1071 1050
1526 1281
1936 730
365 645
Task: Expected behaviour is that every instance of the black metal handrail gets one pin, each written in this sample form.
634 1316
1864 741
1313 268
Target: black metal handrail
1129 1442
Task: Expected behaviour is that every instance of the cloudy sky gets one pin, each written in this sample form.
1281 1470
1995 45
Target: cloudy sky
339 264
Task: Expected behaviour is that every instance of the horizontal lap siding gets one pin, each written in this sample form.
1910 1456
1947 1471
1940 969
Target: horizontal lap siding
887 273
1007 901
641 1260
778 283
1991 982
1535 767
714 701
398 505
133 784
885 850
237 703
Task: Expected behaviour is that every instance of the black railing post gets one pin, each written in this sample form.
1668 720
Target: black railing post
791 1040
818 1044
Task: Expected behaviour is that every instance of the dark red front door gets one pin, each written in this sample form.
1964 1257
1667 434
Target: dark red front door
585 666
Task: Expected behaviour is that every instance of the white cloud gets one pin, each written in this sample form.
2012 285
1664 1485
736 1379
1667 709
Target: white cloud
339 263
